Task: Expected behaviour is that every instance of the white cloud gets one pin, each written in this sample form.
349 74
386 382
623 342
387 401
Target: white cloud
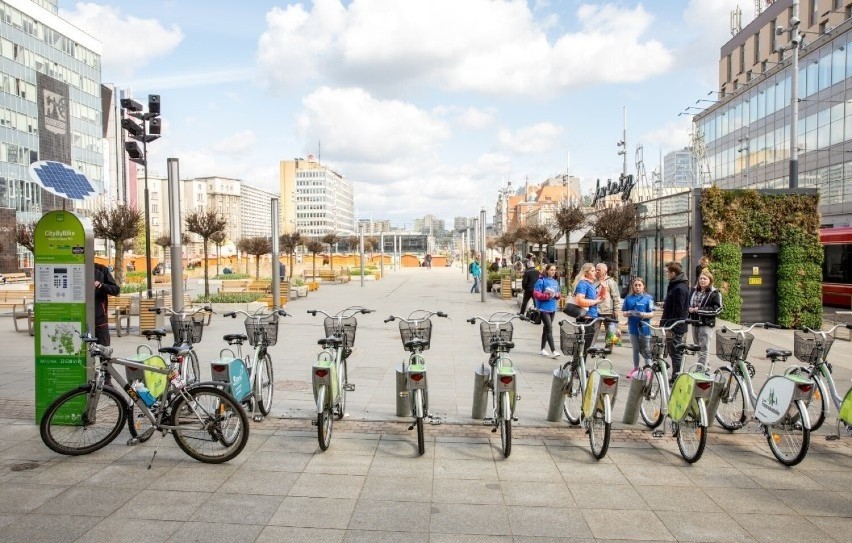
535 139
674 135
236 144
494 47
128 42
476 118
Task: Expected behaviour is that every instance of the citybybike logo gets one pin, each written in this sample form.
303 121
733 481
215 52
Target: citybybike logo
59 235
770 402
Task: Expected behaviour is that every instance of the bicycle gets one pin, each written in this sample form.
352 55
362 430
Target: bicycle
137 423
811 347
252 382
496 335
781 405
206 423
655 395
589 396
416 335
329 375
187 329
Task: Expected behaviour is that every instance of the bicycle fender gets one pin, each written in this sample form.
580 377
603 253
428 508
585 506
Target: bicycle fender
321 398
702 413
607 406
806 418
418 403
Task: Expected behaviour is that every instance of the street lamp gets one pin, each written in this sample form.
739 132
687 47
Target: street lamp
795 43
146 130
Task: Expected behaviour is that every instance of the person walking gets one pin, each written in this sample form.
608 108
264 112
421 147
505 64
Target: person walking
704 305
545 293
475 271
528 284
586 295
105 286
676 308
639 308
611 301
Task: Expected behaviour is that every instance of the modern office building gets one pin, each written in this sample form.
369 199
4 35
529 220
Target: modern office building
374 226
256 211
50 109
315 200
746 136
680 169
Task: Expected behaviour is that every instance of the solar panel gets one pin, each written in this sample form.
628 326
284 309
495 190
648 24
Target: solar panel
61 180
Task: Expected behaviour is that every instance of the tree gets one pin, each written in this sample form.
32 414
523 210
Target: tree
288 243
205 224
165 241
538 235
330 239
370 245
569 219
353 242
118 224
218 239
257 246
24 236
616 224
314 247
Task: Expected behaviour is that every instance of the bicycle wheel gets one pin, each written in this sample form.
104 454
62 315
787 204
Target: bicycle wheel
788 438
599 431
325 423
818 406
421 439
341 400
573 398
691 436
193 370
505 423
264 385
66 427
211 427
651 408
731 410
138 424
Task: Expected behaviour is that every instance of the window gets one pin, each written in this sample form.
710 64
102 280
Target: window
773 40
814 13
742 59
757 47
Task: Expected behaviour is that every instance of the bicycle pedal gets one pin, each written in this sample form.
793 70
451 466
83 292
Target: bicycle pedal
349 387
257 418
827 438
494 430
133 441
658 433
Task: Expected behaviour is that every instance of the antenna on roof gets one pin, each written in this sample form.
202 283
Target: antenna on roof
737 20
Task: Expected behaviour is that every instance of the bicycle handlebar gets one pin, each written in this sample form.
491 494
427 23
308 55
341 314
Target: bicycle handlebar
182 313
586 322
343 313
672 325
392 318
257 315
512 316
826 332
743 331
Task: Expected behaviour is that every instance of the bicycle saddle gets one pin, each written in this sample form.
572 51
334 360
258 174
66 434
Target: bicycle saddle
593 351
777 353
414 342
500 345
181 350
330 341
236 338
157 333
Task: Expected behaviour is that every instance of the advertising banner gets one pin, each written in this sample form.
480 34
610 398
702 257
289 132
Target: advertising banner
54 119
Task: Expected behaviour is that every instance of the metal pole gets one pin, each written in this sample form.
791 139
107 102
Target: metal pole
794 99
382 245
464 254
147 213
624 169
361 249
482 282
276 257
175 224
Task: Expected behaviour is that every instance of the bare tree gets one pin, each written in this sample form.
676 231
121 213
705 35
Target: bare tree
219 239
569 219
257 246
314 247
165 241
330 239
353 242
118 224
288 243
616 224
205 224
538 235
24 236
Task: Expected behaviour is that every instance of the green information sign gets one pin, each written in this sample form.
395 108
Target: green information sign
63 276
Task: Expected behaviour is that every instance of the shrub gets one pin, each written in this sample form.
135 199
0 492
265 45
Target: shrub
132 288
232 276
726 263
230 298
799 279
298 282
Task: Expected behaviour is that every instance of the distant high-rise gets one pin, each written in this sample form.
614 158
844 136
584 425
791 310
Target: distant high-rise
315 200
680 168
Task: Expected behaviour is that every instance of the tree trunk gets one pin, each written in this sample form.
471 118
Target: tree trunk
218 256
315 267
330 258
206 279
119 264
256 267
292 262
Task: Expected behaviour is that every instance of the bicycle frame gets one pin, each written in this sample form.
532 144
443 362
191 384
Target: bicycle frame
327 377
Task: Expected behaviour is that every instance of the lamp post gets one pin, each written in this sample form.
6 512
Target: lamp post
147 130
795 42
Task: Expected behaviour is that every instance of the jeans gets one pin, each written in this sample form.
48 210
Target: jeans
547 329
701 335
641 347
677 358
475 287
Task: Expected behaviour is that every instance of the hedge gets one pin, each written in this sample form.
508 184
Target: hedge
727 261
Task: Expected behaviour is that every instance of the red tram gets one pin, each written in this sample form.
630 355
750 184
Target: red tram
837 266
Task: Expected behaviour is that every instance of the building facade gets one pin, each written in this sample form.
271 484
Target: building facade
747 133
316 200
256 211
50 109
680 169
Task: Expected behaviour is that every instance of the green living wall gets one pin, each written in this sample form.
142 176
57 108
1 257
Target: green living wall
734 219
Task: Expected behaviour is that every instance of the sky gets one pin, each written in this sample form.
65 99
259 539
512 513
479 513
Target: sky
427 106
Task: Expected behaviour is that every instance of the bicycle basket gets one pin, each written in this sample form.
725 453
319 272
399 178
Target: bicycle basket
345 327
255 327
571 339
729 345
806 346
659 344
187 329
490 332
420 330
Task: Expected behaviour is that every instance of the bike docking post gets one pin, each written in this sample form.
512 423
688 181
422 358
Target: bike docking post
715 398
634 397
557 393
403 403
480 392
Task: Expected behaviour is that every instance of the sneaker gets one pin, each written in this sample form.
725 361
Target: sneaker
555 354
633 373
545 353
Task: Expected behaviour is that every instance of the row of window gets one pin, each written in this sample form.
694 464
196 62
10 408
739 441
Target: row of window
18 121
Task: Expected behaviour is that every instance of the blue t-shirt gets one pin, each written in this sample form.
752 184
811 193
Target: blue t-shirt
542 285
586 288
644 303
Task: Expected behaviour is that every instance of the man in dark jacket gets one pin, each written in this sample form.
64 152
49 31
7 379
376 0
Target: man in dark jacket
105 286
528 284
676 308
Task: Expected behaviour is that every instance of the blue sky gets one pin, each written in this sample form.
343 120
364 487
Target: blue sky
428 106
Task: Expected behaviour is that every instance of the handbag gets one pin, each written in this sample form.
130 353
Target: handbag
572 309
534 315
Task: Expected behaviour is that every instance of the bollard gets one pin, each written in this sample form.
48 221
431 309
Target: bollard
634 397
403 402
715 398
480 392
557 394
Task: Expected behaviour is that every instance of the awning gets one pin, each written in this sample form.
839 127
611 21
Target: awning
576 236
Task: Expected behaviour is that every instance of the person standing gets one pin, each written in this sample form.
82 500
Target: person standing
704 305
545 293
475 270
105 286
428 261
586 295
610 300
639 308
703 264
676 308
528 284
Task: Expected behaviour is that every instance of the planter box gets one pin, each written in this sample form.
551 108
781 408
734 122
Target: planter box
313 285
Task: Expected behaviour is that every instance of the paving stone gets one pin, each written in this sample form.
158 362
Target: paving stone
632 527
87 501
25 497
703 526
547 522
211 531
390 516
469 519
747 500
596 496
237 509
412 489
306 512
148 530
686 499
534 493
839 528
780 528
268 483
277 534
322 485
159 505
47 528
471 491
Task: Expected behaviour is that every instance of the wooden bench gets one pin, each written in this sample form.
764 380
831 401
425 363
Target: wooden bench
17 301
18 277
259 285
234 285
268 299
119 313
